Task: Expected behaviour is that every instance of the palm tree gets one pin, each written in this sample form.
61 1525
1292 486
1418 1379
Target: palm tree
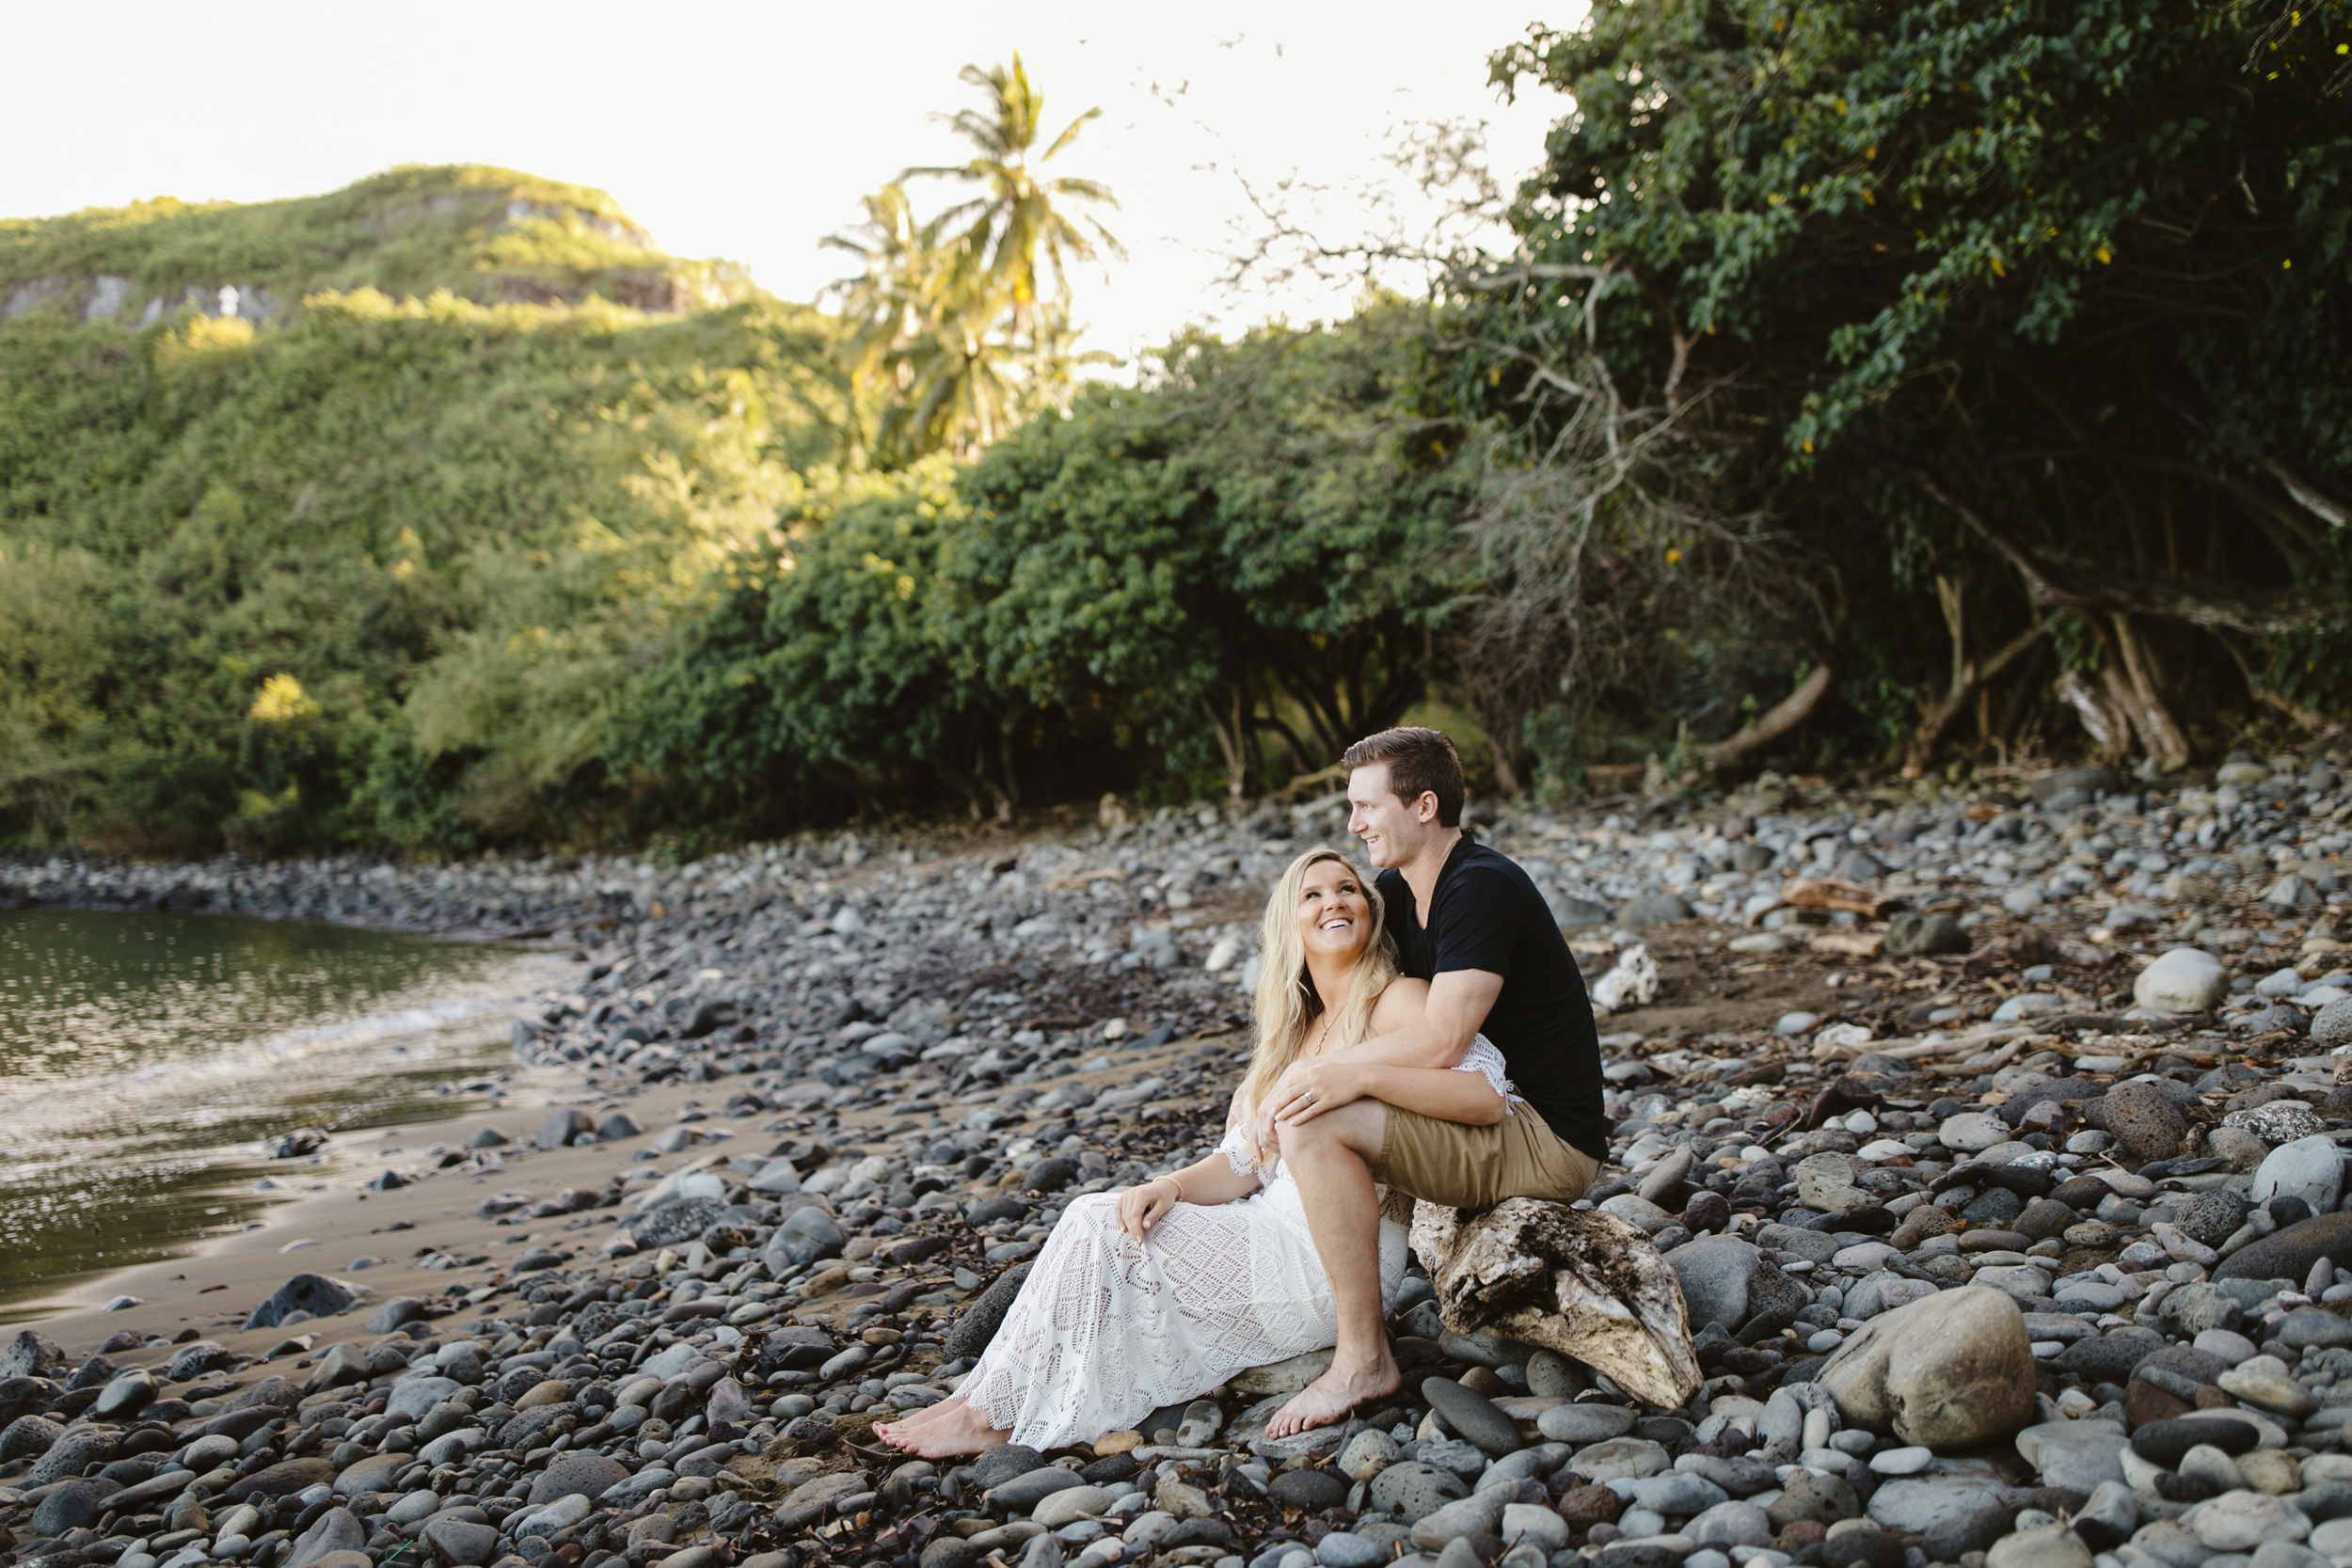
1004 244
957 327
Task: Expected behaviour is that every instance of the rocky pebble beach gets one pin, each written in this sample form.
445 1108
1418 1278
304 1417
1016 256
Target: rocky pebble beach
1994 1134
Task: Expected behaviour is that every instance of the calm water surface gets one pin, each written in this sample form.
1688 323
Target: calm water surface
148 1060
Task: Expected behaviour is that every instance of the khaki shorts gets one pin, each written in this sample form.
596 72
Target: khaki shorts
1465 1166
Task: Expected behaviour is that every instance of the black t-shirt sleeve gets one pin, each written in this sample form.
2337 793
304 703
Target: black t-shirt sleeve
1478 925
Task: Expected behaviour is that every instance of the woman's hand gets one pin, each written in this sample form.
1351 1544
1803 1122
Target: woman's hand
1311 1086
1141 1208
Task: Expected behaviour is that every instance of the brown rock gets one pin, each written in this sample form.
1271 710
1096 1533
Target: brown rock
1584 1507
282 1480
2144 1402
2211 1398
2140 1118
1483 1382
1798 1536
1923 1222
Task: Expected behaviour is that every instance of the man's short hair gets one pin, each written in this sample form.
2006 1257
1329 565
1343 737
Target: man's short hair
1420 762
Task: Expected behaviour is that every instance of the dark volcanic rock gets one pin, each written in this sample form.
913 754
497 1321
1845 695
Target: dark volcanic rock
313 1294
72 1504
2166 1442
674 1223
2291 1252
25 1396
2142 1119
978 1324
27 1437
31 1354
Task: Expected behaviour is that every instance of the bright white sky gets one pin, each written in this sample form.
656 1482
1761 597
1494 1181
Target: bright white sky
749 131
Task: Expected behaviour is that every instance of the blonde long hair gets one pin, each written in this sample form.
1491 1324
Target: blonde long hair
1288 1004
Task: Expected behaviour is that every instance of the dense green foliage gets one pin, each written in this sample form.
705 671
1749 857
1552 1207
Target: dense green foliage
1871 381
372 575
1860 316
1232 552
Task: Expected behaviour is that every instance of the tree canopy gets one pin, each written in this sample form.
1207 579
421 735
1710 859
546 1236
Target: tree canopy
1998 318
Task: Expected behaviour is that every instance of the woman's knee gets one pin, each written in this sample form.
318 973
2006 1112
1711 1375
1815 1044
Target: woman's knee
1348 1128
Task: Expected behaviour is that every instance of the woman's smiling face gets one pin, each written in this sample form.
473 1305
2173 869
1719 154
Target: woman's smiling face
1334 917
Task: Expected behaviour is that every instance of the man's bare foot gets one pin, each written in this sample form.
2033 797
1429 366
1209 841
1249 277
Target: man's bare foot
948 1429
1330 1397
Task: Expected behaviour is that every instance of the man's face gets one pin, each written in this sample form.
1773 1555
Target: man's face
1393 831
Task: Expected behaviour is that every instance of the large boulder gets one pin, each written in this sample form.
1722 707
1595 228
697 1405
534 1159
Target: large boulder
1953 1370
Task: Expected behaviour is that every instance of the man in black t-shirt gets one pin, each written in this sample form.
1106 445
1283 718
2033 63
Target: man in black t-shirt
1469 920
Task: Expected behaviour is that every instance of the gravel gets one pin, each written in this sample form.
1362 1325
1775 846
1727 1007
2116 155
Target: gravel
939 1040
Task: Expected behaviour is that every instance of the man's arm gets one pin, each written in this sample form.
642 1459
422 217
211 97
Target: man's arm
1460 1001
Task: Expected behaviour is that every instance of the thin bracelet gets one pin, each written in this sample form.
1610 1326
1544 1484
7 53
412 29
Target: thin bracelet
1173 1182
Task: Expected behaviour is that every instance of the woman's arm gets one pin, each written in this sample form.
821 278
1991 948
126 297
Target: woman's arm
1210 1181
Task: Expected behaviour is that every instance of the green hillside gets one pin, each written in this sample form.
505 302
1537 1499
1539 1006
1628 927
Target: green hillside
484 235
369 568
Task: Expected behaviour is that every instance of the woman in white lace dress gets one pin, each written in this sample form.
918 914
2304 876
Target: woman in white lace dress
1158 1294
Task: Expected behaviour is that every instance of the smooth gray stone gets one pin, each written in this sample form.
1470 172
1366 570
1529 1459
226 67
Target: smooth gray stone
1025 1492
1916 1504
338 1530
584 1474
1584 1423
1472 1416
1412 1490
459 1543
1673 1493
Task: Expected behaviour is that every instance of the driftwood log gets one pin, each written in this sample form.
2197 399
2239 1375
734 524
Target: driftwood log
1575 1280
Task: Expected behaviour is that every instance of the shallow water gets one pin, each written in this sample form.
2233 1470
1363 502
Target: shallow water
148 1062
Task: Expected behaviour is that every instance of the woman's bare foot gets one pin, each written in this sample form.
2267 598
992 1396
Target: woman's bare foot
948 1429
1330 1397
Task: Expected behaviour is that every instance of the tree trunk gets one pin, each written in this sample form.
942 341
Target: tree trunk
2160 734
1006 726
2105 724
2214 606
1968 682
1793 710
1232 738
